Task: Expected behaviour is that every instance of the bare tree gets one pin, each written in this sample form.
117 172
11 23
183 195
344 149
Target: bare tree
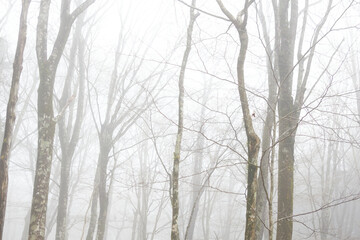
253 145
10 114
290 106
175 235
127 99
46 121
69 131
266 146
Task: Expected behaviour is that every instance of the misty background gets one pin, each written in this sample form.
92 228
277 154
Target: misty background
117 110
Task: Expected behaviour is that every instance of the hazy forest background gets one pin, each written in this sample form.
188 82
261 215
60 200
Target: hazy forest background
180 119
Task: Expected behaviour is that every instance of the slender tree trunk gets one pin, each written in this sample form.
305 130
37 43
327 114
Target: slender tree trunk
253 141
271 193
10 113
94 204
197 190
105 147
262 194
69 139
176 165
100 193
196 182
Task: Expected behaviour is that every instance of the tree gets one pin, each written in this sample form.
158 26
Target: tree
46 121
10 114
289 105
69 131
127 99
262 194
175 235
253 143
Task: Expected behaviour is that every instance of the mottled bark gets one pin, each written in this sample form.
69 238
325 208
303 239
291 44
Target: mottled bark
46 121
176 164
10 113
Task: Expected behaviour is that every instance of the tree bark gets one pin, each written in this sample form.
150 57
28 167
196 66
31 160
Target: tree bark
287 35
46 121
253 141
10 114
103 193
94 205
176 164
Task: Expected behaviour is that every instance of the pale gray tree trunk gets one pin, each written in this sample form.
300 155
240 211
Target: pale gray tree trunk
69 133
94 204
262 194
175 235
196 179
10 113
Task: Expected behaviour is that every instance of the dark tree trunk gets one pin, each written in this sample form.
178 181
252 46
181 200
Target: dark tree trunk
287 122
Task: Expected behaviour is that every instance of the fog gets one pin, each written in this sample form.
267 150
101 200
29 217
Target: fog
179 119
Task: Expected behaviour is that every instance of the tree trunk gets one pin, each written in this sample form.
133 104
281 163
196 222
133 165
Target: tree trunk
94 204
103 194
175 173
253 141
262 194
10 113
196 182
46 122
46 128
69 140
287 122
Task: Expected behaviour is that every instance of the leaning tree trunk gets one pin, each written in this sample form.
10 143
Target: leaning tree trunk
253 143
10 114
176 164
